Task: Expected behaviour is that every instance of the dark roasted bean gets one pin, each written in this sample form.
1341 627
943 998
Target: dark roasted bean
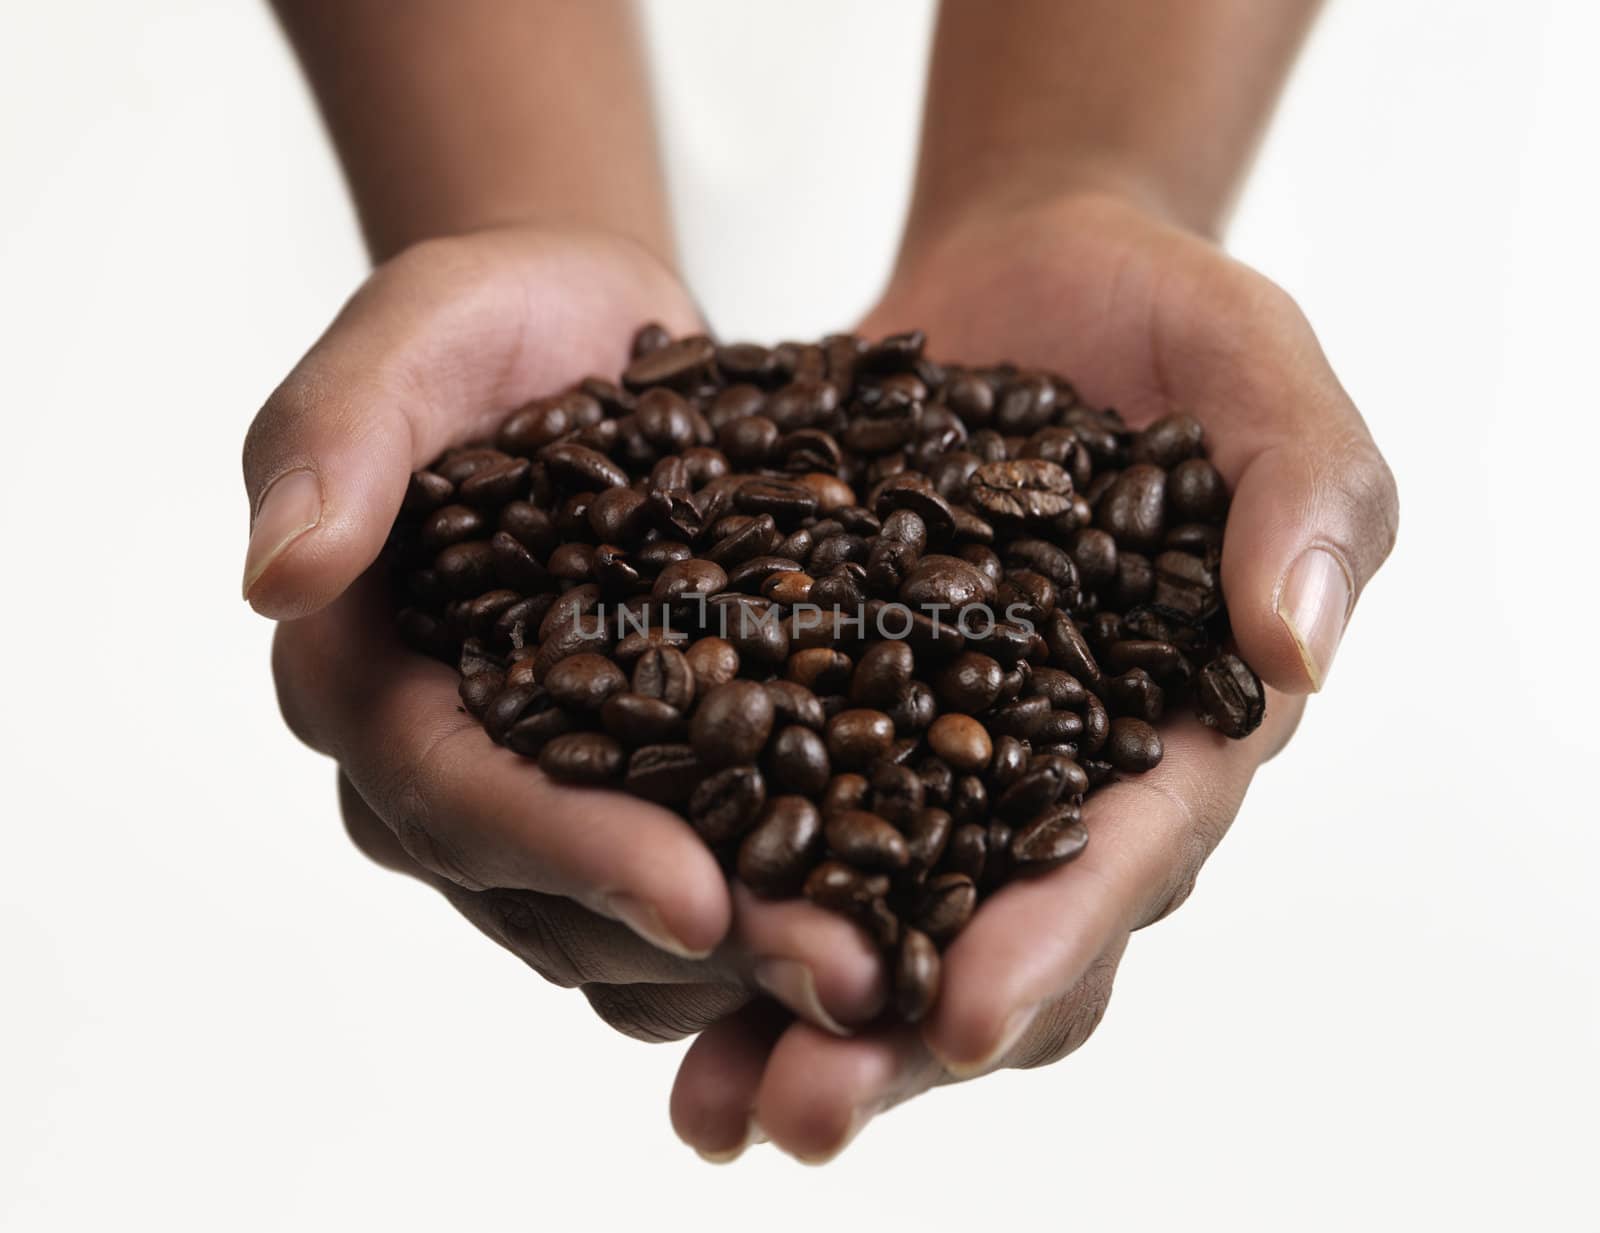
865 839
857 738
1049 840
582 757
776 856
916 976
727 804
1228 697
1133 745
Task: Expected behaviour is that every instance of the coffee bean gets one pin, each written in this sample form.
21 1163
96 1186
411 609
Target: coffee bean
799 761
732 723
664 672
681 364
582 757
795 704
897 792
1133 507
776 856
1049 840
859 737
1133 745
881 674
1169 441
713 661
916 976
969 683
845 791
865 839
945 907
961 741
1136 693
1228 697
727 804
927 833
584 681
1024 489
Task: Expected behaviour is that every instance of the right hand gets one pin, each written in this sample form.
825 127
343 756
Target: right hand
594 889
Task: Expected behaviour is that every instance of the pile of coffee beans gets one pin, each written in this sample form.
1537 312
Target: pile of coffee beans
874 625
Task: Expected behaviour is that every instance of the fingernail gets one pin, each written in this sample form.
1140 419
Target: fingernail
753 1134
644 920
858 1120
1313 604
1015 1026
290 507
792 983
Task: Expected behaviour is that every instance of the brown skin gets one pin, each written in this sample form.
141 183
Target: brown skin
1076 153
478 113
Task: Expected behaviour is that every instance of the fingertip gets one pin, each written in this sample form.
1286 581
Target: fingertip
808 1102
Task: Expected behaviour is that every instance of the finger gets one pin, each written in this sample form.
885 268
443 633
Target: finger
559 939
438 345
474 813
1148 837
660 1013
1315 509
817 1095
817 963
818 1091
714 1094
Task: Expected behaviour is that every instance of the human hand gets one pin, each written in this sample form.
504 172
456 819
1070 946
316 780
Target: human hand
1151 319
600 890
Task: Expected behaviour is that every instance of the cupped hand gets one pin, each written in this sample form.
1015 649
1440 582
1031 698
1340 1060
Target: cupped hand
604 891
1150 319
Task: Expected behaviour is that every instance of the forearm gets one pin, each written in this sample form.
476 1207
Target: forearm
453 116
1161 99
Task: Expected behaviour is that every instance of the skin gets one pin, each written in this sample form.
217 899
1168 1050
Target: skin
1077 158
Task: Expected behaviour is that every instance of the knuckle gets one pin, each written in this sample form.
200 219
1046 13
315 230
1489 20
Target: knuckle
1067 1023
524 925
652 1013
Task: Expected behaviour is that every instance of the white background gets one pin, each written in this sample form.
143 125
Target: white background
1380 1008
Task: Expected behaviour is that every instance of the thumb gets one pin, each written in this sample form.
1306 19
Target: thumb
438 346
1314 514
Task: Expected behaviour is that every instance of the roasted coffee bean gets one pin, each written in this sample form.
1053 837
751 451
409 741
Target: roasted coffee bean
845 791
866 840
478 691
969 799
582 757
1185 584
692 577
1136 693
914 710
731 724
927 832
1023 490
1009 763
682 364
639 720
466 569
961 741
1052 839
858 737
1133 745
916 976
969 683
1169 441
967 851
799 763
576 466
1062 688
450 524
881 674
945 907
1228 697
1196 492
666 773
795 704
937 780
844 888
776 856
584 681
664 672
727 804
1069 649
897 792
946 581
1134 506
713 661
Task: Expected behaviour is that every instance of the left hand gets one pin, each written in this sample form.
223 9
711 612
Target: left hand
1151 319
